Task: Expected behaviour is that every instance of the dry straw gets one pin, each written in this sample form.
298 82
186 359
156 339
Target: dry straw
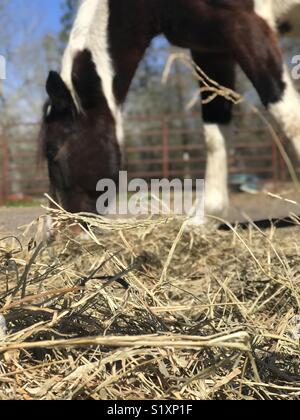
94 320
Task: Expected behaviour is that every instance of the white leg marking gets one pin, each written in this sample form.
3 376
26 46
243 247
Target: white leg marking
216 180
287 112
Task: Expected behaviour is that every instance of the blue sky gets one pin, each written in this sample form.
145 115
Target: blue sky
39 16
31 21
51 10
45 14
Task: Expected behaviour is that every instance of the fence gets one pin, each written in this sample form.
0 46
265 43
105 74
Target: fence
168 151
157 147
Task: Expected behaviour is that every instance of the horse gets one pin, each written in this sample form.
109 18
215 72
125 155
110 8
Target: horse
82 135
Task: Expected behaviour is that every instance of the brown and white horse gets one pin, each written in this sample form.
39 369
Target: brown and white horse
82 126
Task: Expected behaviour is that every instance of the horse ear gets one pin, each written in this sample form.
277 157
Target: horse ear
86 81
58 92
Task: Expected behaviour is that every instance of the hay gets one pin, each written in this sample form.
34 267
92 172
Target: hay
149 310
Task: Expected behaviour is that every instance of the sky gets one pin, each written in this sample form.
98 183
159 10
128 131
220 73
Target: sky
30 21
51 11
35 17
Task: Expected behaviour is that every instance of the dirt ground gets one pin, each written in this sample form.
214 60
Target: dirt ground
262 206
243 206
13 218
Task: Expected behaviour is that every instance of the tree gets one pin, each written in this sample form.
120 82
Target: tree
69 8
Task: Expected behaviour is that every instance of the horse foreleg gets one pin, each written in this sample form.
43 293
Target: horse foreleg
255 47
217 118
